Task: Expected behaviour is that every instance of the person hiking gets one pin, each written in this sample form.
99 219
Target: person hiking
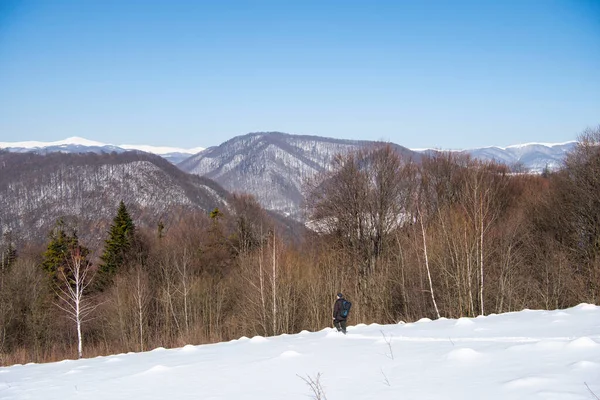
341 307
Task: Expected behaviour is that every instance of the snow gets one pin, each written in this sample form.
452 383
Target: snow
519 355
160 150
519 146
36 145
78 141
514 146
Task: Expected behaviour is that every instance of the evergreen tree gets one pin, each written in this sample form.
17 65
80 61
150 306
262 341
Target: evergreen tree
118 244
546 171
8 252
8 256
160 229
60 249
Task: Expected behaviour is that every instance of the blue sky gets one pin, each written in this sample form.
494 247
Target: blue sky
444 74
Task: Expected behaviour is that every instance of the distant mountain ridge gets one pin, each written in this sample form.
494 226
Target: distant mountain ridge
531 157
80 145
273 166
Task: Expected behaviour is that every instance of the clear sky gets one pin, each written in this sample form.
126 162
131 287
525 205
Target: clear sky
444 74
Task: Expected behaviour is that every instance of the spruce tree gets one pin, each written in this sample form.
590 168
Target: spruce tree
60 248
118 244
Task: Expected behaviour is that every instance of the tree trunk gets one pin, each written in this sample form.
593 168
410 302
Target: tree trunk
437 312
274 289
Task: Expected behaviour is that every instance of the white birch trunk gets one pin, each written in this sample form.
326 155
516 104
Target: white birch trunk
274 289
437 312
78 315
140 311
71 295
481 259
262 291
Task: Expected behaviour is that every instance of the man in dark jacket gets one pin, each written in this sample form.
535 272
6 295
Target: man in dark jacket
339 321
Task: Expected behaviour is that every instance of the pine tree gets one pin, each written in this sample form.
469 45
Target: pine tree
118 244
60 249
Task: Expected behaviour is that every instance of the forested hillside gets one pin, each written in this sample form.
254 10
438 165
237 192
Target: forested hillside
274 166
85 189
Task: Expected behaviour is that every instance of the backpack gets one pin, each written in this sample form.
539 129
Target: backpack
345 308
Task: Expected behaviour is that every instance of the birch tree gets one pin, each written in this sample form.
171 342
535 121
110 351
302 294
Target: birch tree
426 258
72 292
484 202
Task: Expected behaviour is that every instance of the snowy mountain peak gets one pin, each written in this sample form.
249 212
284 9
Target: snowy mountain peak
79 141
532 144
76 141
77 144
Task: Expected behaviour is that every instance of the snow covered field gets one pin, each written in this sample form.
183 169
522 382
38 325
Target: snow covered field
523 355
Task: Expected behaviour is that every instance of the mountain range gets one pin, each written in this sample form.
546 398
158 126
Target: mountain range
531 157
81 145
272 166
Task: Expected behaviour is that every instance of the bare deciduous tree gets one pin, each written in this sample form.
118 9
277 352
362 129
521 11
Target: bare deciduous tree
72 292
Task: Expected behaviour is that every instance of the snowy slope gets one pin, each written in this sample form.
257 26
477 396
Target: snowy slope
524 355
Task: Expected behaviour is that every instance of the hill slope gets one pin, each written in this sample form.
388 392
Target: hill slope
522 355
272 165
36 190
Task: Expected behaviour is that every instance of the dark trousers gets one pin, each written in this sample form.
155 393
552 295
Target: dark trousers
340 325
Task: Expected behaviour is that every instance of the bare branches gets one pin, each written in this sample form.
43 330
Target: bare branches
388 341
591 392
71 292
362 201
318 393
385 378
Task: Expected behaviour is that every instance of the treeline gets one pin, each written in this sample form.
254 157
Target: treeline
448 237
